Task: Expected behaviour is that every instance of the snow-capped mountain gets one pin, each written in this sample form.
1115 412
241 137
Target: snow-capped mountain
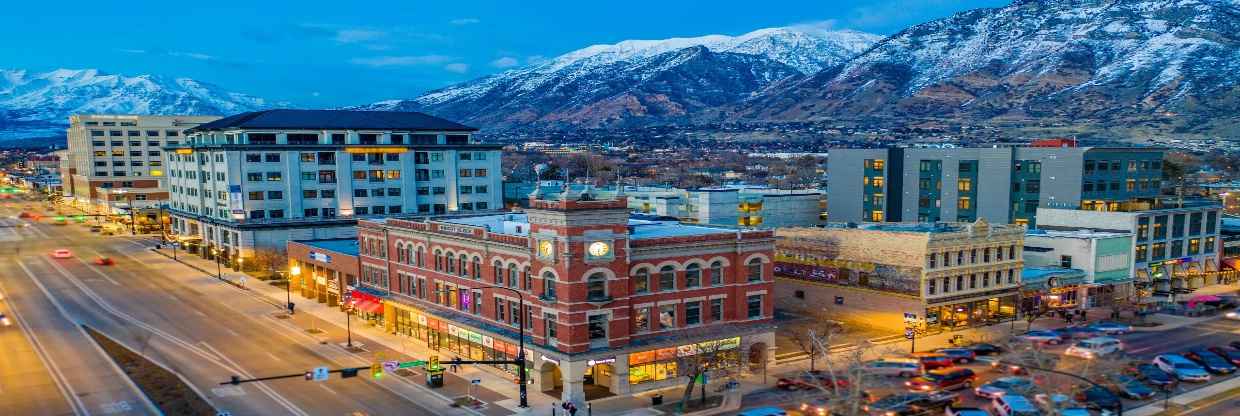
39 103
1169 63
637 80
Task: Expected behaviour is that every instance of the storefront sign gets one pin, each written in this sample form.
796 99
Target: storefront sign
234 201
452 330
592 363
488 342
320 257
456 229
422 320
321 280
333 286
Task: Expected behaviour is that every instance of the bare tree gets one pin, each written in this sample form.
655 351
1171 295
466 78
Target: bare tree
718 359
269 260
807 337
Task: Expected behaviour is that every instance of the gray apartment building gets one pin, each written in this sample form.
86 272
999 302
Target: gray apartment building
1001 184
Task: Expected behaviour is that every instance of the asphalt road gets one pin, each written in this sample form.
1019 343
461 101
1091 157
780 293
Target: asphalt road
204 332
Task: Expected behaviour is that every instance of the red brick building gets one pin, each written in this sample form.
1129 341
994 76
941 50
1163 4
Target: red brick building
610 301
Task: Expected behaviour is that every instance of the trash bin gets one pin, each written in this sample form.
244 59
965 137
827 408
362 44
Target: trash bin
656 400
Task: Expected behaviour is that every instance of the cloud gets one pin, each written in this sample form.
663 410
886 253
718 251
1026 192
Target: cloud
457 68
816 26
505 62
535 59
193 55
358 35
465 21
386 61
132 50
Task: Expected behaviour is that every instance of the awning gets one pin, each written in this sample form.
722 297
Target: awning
369 306
1231 263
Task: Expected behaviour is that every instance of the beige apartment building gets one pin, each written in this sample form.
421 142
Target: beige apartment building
115 162
938 275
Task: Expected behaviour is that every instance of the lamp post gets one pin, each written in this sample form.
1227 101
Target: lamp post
520 360
219 274
288 288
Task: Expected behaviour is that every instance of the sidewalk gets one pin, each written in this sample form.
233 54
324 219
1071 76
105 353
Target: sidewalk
1182 400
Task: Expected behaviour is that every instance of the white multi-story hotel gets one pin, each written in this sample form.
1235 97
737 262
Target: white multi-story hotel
256 180
114 162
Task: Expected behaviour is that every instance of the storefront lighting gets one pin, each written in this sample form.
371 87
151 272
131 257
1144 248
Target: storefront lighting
295 271
376 149
185 151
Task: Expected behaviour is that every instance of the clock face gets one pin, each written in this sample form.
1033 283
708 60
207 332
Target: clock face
545 248
599 249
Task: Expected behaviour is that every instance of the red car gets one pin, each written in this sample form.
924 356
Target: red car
933 360
104 261
943 379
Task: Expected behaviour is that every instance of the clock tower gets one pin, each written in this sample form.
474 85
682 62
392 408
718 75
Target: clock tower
580 238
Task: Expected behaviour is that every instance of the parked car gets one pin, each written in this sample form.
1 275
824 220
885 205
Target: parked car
4 320
1111 327
933 360
965 411
1004 385
1095 347
998 366
1181 368
1098 398
1153 375
959 355
907 404
62 253
943 379
1041 337
1078 332
986 349
902 367
1230 355
1129 387
1059 403
1211 361
1014 405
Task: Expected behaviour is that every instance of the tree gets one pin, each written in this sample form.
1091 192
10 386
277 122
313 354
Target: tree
717 359
807 337
269 260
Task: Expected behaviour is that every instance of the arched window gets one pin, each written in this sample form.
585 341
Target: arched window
451 262
527 278
400 252
417 254
641 280
754 269
512 275
667 278
498 269
596 287
463 261
477 268
438 261
548 285
716 273
693 275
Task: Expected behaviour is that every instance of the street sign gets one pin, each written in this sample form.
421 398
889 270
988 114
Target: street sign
320 373
909 317
908 333
391 366
475 381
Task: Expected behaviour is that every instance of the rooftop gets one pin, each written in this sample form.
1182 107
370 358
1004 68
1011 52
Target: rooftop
332 119
640 226
1080 233
346 246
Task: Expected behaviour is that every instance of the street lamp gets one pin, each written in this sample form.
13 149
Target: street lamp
520 361
288 287
219 274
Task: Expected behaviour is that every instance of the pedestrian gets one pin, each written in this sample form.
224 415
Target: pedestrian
454 365
572 409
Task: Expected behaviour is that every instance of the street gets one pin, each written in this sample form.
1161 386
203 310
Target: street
203 332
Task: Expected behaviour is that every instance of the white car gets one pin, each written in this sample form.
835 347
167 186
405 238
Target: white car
62 253
1095 347
902 367
1232 315
1181 368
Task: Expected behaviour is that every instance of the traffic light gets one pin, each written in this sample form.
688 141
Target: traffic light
434 362
376 371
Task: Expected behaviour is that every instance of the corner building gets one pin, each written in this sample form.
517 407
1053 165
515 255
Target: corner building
611 302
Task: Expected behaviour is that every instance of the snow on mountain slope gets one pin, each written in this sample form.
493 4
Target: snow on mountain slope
39 103
591 75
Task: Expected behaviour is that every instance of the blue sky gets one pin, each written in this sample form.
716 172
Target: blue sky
317 53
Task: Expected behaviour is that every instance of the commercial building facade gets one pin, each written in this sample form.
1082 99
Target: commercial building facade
755 207
943 275
1003 185
1103 258
610 305
1176 244
256 180
115 163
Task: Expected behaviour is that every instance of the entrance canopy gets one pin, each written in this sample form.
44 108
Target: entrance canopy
1038 278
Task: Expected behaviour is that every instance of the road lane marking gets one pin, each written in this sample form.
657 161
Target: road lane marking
107 306
231 332
274 357
329 390
261 386
57 376
97 271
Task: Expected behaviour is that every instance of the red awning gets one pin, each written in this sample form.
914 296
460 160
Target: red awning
1230 263
370 306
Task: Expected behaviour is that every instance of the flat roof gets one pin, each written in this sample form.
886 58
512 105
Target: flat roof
1078 233
340 245
645 229
288 119
640 226
921 227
